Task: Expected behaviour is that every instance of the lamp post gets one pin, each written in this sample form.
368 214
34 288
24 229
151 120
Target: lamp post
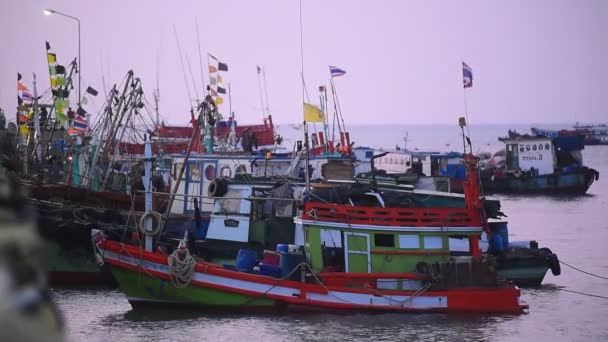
51 12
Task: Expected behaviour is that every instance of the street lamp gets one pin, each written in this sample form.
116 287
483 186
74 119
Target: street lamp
51 12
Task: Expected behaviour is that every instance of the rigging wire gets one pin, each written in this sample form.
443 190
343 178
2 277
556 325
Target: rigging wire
582 271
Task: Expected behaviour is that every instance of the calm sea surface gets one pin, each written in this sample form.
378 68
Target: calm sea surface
576 228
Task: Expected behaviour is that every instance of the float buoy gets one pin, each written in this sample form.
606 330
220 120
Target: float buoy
218 187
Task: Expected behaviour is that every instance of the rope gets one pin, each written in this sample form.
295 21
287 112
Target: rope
584 294
578 269
181 269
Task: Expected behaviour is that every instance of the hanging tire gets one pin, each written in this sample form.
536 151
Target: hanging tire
422 267
218 187
553 261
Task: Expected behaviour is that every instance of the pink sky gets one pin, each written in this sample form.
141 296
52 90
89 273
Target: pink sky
533 61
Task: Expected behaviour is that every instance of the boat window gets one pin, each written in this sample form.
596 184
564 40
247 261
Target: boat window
528 147
409 241
540 147
534 147
433 242
521 148
384 240
547 147
331 238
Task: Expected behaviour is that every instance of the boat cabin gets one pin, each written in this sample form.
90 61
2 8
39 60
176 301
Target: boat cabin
530 153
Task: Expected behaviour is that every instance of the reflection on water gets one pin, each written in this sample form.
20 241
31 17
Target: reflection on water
576 228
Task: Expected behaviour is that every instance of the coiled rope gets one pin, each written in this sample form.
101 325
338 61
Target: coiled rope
181 266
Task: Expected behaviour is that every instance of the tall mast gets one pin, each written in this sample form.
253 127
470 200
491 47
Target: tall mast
265 91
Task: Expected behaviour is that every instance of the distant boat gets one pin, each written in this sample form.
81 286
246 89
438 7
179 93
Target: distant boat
594 134
541 164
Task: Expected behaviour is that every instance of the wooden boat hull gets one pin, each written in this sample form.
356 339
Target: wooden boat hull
145 278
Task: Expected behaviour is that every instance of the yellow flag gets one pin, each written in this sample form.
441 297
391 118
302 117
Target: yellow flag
52 58
24 130
219 79
312 113
219 100
54 83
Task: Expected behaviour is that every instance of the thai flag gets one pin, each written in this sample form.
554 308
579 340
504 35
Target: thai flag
27 96
335 71
80 123
467 75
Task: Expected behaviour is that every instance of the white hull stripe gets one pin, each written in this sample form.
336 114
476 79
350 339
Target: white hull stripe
332 297
299 220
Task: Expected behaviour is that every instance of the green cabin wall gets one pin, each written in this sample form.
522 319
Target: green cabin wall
388 262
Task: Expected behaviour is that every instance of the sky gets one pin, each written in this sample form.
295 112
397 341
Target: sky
539 61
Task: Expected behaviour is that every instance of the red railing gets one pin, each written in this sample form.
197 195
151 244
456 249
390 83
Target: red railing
409 217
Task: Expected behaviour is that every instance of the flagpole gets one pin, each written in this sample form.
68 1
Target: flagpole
306 144
466 114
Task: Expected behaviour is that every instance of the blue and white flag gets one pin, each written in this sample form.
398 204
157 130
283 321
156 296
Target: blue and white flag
335 71
80 123
467 75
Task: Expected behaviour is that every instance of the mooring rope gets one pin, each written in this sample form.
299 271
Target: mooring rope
578 269
584 294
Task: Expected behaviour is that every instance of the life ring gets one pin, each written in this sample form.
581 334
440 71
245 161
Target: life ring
553 262
156 223
218 187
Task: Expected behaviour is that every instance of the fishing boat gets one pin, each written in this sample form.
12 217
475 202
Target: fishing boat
539 164
594 134
356 255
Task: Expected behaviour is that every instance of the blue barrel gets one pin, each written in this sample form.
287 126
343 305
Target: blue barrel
282 248
246 260
503 230
288 262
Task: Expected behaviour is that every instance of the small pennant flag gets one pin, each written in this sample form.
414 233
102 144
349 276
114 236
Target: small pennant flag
18 77
219 79
212 69
213 80
52 58
221 90
213 92
222 66
219 100
21 87
335 71
48 46
92 91
259 69
312 113
467 75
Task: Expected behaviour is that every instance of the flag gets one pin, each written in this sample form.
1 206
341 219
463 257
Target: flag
213 92
219 100
80 123
59 69
222 66
18 77
21 87
212 80
52 58
219 79
26 96
24 129
467 75
335 71
212 56
212 69
48 46
92 91
221 90
312 113
259 69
